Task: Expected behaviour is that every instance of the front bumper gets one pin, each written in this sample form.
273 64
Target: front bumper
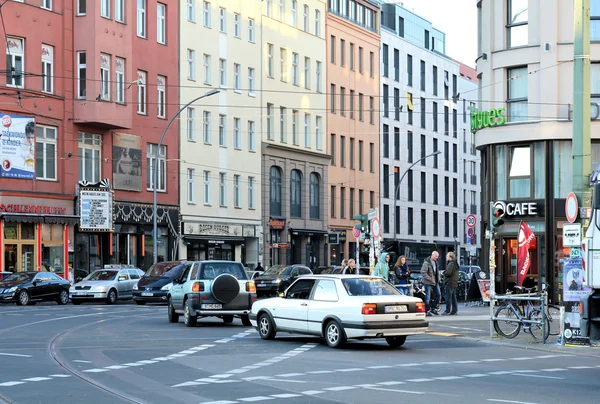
155 296
267 288
87 295
380 329
8 297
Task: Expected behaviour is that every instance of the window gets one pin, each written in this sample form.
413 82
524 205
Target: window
45 152
104 8
409 69
141 96
237 72
206 14
251 192
423 149
191 61
151 159
351 200
307 73
275 191
282 124
332 98
269 7
446 224
351 104
294 13
295 75
423 113
222 190
161 98
191 10
222 19
89 151
343 202
446 120
396 65
371 110
386 101
251 77
516 27
351 147
161 23
317 23
396 104
281 10
295 127
372 64
409 144
191 186
270 60
332 201
371 157
455 123
318 133
251 136
81 7
517 94
295 194
105 77
386 148
191 124
206 127
396 143
423 71
222 131
520 172
206 178
351 56
222 72
342 52
270 122
435 80
237 203
360 155
409 180
446 85
237 29
251 30
360 59
305 18
342 151
81 75
47 68
385 55
332 148
343 101
141 18
306 130
386 181
423 187
318 83
120 79
332 50
435 189
409 220
206 62
435 116
423 222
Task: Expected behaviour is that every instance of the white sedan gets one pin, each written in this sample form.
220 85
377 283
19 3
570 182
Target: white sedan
341 307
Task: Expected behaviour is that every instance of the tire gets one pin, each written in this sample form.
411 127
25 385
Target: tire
246 321
76 302
266 328
189 319
538 332
335 336
396 342
553 315
173 317
228 319
63 297
140 302
23 298
507 329
111 297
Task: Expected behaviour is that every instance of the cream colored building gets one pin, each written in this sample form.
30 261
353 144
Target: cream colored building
294 123
220 141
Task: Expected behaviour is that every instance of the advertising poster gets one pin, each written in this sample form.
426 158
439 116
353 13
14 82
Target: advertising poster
573 277
96 210
17 147
127 162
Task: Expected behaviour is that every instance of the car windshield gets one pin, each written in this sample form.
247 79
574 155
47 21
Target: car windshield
211 271
18 278
276 270
369 287
102 276
168 270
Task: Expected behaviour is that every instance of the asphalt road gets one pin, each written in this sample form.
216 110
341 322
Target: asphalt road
131 354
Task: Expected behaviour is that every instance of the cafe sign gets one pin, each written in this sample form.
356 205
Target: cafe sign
277 224
515 210
486 119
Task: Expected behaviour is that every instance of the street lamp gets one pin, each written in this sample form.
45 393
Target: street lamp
155 171
398 186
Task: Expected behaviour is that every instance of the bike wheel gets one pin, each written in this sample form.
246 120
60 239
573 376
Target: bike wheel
537 331
553 315
510 327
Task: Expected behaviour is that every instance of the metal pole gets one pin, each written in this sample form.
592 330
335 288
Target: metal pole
155 173
561 334
492 271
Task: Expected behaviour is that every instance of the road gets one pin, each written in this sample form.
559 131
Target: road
131 354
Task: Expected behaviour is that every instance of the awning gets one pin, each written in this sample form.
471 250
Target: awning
306 231
33 218
227 239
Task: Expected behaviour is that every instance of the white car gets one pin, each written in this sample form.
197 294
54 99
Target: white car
341 307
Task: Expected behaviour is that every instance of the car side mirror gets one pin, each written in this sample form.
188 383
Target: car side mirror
34 283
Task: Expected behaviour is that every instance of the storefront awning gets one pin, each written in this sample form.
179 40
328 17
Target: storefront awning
32 218
208 238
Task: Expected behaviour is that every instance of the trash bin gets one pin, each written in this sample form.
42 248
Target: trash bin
4 275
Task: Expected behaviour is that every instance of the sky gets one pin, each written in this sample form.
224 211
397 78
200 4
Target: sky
457 19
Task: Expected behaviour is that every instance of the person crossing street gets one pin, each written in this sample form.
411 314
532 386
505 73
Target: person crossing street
430 275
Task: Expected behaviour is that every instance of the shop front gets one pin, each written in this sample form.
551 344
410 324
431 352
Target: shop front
307 247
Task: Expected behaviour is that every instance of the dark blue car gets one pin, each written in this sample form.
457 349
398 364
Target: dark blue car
156 282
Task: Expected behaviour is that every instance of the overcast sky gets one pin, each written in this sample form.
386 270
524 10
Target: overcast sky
457 18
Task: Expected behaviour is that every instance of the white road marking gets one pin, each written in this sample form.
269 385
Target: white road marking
581 367
14 354
391 383
509 401
257 398
448 378
9 384
539 376
289 375
417 380
395 390
286 381
116 367
380 367
340 388
320 372
80 361
286 395
312 392
553 370
36 379
493 360
475 375
350 370
59 376
96 370
465 362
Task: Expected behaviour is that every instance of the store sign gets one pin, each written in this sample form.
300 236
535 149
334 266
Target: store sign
96 209
334 238
572 235
213 229
277 224
41 210
594 111
485 119
514 210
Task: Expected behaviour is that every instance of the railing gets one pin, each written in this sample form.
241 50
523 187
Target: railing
541 298
360 24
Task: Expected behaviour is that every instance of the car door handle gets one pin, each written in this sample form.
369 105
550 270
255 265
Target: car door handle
304 304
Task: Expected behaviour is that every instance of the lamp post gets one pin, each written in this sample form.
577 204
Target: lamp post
155 171
398 186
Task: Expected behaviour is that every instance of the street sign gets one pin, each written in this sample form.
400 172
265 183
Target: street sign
375 228
472 250
356 232
373 213
334 238
571 207
572 235
471 233
471 220
585 213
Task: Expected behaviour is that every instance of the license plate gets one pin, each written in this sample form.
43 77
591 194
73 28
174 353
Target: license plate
212 306
81 293
262 285
147 294
396 309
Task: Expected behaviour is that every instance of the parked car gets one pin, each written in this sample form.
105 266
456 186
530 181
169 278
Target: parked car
277 278
155 284
114 282
28 288
336 269
341 307
211 289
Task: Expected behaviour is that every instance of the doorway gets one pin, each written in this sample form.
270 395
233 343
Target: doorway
508 269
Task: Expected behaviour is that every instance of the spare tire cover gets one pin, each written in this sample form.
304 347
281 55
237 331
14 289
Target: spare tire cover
225 288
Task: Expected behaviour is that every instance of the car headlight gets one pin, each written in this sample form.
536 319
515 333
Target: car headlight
12 289
98 289
167 286
278 280
135 287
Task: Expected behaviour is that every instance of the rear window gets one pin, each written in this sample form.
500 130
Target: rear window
369 287
211 271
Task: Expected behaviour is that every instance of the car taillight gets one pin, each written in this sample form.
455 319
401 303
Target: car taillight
250 287
369 308
198 287
420 307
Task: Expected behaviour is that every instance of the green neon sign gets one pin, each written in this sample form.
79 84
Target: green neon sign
485 119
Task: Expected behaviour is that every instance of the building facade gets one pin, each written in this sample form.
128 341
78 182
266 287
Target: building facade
97 81
293 128
419 116
220 138
353 42
525 75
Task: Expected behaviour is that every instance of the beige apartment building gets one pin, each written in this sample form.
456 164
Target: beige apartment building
220 141
294 124
353 44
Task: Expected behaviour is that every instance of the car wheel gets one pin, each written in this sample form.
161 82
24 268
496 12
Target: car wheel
111 298
23 298
173 317
246 321
396 342
189 319
75 302
335 335
63 297
228 319
266 329
140 302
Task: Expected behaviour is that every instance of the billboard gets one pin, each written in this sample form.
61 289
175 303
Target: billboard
127 162
17 146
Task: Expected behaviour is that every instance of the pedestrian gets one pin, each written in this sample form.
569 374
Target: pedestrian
402 274
430 275
344 264
451 277
259 268
350 268
382 268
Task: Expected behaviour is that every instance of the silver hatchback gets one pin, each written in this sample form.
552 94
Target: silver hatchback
114 282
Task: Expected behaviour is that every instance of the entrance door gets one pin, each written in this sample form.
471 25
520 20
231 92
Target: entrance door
508 278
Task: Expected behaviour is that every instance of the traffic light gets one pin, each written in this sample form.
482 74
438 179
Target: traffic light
364 224
496 216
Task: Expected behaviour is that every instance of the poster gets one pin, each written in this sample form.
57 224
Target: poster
484 289
573 276
127 162
96 209
17 147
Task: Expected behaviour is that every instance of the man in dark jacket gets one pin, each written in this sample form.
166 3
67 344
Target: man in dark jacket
430 275
451 277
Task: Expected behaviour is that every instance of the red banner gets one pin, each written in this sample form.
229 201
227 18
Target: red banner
526 241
